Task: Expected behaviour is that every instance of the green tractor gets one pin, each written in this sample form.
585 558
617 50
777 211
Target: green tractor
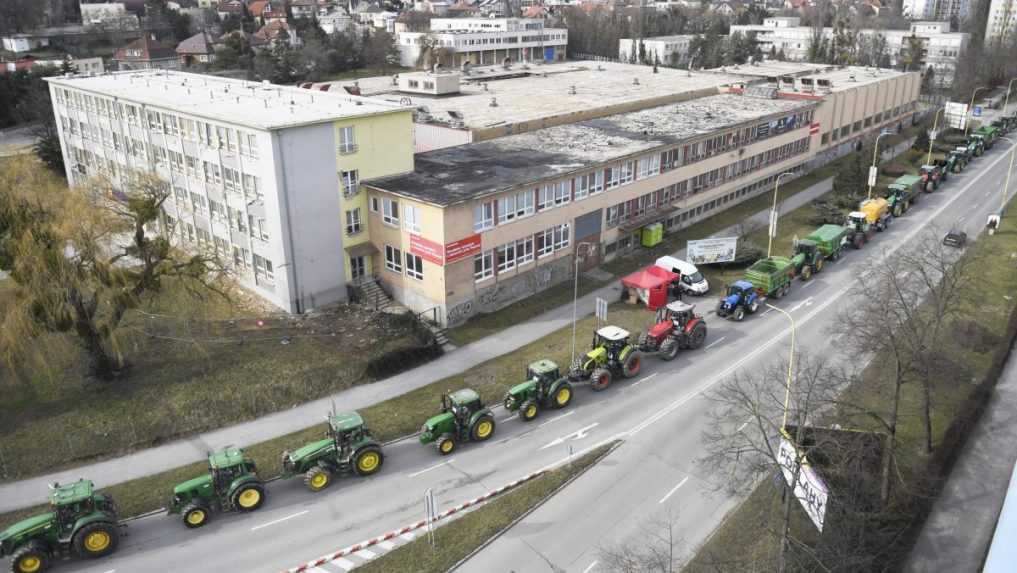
545 387
610 356
463 417
231 484
903 192
976 145
80 522
348 447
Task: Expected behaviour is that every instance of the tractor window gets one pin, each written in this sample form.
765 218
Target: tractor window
733 290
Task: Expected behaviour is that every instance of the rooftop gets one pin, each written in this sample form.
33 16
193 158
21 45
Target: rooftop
253 104
541 92
456 174
774 68
71 493
227 458
345 421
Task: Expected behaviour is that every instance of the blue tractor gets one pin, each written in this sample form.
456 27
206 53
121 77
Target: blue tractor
741 298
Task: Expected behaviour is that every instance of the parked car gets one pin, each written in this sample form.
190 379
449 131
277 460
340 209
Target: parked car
955 238
692 281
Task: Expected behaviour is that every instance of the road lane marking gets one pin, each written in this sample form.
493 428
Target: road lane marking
742 427
715 343
577 435
768 311
424 471
674 489
280 520
806 302
503 420
552 420
386 545
592 565
808 284
643 379
365 554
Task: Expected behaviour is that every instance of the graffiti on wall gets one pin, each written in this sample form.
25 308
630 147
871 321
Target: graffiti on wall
459 312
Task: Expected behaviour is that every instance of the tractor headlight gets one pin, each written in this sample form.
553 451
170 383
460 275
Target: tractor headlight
510 401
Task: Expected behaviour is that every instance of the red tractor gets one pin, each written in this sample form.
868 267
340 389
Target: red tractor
677 327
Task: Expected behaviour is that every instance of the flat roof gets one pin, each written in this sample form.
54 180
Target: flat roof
259 105
673 38
850 77
771 68
523 93
455 174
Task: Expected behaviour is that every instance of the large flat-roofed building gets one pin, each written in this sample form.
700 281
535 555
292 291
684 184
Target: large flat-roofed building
496 101
264 176
663 50
476 227
485 41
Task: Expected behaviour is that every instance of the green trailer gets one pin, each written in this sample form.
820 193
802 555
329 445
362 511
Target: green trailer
825 243
903 192
988 134
771 276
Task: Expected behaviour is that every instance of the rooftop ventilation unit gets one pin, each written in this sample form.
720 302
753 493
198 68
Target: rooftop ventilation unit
761 91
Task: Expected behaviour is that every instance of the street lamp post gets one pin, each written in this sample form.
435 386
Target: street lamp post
773 212
790 365
971 109
575 294
875 155
932 134
1006 102
783 430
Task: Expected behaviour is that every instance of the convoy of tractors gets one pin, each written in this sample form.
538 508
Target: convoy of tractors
86 524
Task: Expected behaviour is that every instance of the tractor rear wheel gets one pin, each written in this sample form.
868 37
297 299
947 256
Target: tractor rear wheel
562 396
698 335
317 478
633 364
249 497
819 263
806 273
528 411
446 444
600 379
739 314
858 241
898 210
31 557
482 429
368 460
195 515
96 539
669 349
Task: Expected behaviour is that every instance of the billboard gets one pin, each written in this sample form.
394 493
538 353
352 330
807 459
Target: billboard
956 114
462 248
427 250
707 251
810 490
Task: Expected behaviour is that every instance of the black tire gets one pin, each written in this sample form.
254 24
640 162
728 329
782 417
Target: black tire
669 349
317 479
445 444
819 263
698 335
806 272
476 431
600 379
632 365
362 465
83 539
33 552
562 396
528 411
858 241
195 515
753 307
249 487
739 314
720 308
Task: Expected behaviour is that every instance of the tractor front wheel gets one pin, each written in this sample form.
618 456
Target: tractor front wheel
368 461
249 497
698 336
317 478
806 273
446 444
528 411
31 557
858 241
739 314
632 365
753 306
97 539
563 395
600 379
669 349
195 515
482 429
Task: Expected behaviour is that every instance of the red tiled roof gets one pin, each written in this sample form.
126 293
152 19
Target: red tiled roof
147 49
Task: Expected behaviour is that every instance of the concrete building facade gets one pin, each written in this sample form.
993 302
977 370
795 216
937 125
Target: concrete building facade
664 50
486 41
258 173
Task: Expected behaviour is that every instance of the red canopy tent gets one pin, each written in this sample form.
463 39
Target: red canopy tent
651 285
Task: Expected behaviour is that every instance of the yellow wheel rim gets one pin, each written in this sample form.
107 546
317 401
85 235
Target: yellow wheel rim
531 411
97 541
249 498
30 564
484 428
319 480
369 462
563 396
446 446
196 517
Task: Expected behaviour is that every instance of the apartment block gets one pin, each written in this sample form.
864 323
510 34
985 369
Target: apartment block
486 41
263 176
663 50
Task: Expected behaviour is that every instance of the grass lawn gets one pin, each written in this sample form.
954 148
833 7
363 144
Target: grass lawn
457 539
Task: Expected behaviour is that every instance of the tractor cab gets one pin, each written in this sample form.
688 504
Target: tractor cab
857 220
346 428
740 289
69 502
544 372
228 465
461 403
612 338
808 248
678 312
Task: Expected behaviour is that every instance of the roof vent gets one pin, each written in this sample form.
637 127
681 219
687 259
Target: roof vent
494 102
635 81
572 90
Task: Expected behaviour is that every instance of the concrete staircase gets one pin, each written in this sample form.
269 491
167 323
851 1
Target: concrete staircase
372 295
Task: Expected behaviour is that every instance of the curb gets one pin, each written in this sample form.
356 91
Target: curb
417 525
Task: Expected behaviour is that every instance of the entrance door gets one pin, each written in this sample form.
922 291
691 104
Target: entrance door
358 268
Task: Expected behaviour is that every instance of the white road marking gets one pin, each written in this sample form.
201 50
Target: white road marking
552 420
808 284
110 571
280 520
407 536
592 565
643 379
674 489
960 219
715 343
768 311
344 563
319 570
742 427
424 471
806 302
386 545
503 420
577 435
366 554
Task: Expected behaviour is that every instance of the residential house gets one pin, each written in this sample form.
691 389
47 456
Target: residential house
304 8
146 53
278 31
227 8
196 50
336 21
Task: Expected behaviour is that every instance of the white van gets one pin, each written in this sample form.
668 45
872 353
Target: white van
692 281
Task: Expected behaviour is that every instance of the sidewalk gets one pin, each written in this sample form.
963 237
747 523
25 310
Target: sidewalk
958 531
31 491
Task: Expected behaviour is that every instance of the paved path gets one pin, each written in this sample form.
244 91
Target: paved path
18 494
16 140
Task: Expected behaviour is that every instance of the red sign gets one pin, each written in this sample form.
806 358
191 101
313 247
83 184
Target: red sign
427 250
462 248
814 128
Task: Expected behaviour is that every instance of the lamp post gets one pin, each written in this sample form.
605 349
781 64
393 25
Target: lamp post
1007 101
971 109
688 72
575 293
783 432
790 364
875 156
932 134
773 213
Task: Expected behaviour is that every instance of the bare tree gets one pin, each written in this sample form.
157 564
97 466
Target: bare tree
659 553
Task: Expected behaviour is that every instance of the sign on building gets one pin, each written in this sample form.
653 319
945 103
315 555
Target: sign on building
707 251
956 114
462 249
427 249
810 488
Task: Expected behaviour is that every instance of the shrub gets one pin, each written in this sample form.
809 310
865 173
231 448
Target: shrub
895 170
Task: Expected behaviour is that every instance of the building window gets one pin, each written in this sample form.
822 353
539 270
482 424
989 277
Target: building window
511 255
353 225
483 217
263 268
589 184
390 211
612 175
411 218
350 181
554 194
347 140
554 239
483 266
392 259
414 266
649 166
515 206
375 205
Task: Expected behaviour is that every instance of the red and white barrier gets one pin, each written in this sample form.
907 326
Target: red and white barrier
447 513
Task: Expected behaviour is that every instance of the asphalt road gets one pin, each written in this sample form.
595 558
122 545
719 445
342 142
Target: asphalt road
660 415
